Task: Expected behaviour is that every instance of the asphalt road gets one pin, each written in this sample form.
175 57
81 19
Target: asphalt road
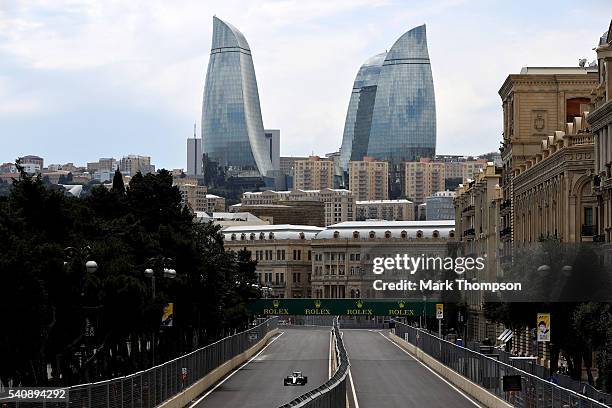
385 376
260 382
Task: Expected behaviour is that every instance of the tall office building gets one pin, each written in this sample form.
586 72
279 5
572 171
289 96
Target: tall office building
404 117
359 114
422 179
369 179
273 147
392 112
232 129
313 174
194 156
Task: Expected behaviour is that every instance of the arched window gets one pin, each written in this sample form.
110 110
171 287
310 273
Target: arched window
355 234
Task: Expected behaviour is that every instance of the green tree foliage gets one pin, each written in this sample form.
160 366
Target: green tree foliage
47 296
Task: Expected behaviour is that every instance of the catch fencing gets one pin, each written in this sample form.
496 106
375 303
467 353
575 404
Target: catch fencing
489 373
151 387
332 394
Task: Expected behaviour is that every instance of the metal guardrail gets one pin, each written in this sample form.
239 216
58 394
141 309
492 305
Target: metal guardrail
332 394
151 387
489 372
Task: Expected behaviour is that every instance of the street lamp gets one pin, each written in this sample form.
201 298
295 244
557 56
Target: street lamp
81 255
159 265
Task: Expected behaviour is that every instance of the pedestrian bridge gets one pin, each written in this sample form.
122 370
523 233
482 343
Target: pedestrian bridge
343 307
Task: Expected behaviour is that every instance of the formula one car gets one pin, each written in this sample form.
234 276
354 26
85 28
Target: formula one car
296 378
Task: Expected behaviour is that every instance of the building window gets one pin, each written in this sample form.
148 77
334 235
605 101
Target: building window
309 255
242 236
262 235
387 234
372 234
233 237
252 236
271 235
419 234
404 234
355 234
436 234
336 234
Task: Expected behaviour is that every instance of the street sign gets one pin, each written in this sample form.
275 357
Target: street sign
183 373
439 311
543 330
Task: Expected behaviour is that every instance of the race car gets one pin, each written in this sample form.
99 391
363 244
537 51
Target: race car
296 378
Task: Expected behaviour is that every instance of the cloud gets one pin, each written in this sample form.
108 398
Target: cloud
146 62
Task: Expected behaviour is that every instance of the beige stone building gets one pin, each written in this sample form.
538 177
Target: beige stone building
390 210
198 199
283 255
536 103
600 120
369 179
553 191
423 178
463 170
343 254
477 223
313 174
339 203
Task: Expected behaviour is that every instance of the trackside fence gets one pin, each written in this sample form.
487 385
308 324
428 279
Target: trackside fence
151 387
332 394
489 373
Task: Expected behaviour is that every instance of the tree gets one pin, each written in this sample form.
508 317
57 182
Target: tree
118 186
51 297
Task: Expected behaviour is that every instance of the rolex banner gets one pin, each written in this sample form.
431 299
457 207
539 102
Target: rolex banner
347 307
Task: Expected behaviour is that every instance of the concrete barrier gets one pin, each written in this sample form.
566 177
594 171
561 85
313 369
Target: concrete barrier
185 397
472 389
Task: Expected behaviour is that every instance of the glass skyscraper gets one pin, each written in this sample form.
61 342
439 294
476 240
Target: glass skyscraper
401 124
232 128
359 114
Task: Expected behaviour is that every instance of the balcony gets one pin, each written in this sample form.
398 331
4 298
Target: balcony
588 231
468 211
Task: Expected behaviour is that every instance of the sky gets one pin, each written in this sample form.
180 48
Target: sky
80 80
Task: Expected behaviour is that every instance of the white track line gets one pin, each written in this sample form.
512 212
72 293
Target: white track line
353 389
329 372
432 371
234 372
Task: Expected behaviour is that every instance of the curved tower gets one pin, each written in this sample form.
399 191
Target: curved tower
232 128
359 114
404 117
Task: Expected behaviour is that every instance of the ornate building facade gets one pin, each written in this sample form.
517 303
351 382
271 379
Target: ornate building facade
600 120
478 227
536 103
553 191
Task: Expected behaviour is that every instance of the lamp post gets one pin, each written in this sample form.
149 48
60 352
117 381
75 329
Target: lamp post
158 265
81 255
